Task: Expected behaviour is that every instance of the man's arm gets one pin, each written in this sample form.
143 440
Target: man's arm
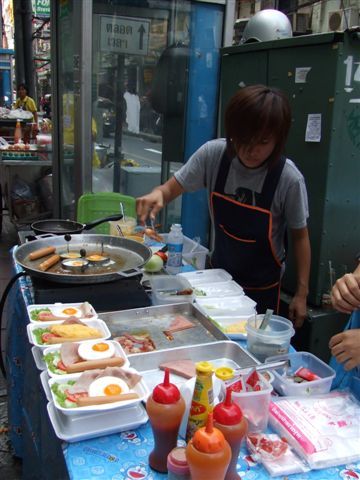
153 202
302 252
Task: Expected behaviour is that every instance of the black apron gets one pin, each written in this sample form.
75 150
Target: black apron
243 242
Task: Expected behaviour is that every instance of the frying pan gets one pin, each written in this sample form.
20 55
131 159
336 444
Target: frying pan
133 256
63 227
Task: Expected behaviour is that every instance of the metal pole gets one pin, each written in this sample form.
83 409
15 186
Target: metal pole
28 46
19 43
119 102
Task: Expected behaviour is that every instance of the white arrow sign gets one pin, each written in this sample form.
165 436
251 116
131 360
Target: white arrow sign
124 35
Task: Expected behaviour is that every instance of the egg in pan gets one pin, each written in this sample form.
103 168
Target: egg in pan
96 350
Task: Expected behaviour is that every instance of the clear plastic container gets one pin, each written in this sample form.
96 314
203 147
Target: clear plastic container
165 287
193 253
273 340
218 289
227 306
287 387
211 275
255 406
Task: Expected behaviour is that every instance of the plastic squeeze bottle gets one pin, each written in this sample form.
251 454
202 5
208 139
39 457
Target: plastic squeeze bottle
165 408
208 453
228 418
18 132
175 242
203 398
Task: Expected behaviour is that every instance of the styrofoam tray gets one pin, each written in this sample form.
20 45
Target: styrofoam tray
58 308
206 276
228 306
96 323
140 388
76 428
119 352
218 289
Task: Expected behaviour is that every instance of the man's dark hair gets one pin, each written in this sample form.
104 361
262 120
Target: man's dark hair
255 113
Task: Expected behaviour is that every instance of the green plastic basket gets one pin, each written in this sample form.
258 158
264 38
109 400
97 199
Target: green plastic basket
92 206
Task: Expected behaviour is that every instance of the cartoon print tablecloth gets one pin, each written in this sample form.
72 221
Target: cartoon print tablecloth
124 456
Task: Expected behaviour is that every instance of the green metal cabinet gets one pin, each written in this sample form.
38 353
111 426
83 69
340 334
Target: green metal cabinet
321 75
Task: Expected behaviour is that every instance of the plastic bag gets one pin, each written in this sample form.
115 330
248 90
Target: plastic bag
275 454
21 190
322 429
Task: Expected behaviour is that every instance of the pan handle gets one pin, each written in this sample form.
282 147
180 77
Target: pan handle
95 223
131 272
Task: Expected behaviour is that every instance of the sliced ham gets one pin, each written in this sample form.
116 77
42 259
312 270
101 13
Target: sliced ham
130 378
184 368
69 353
86 378
73 321
83 382
179 323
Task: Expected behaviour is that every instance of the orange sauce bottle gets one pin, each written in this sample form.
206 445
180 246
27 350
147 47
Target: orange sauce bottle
208 453
228 418
165 408
18 132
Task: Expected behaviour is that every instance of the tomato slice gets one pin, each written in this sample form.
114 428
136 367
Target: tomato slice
72 397
61 366
46 336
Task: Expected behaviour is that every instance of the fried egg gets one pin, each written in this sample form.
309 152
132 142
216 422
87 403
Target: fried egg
96 350
62 311
70 255
107 386
97 258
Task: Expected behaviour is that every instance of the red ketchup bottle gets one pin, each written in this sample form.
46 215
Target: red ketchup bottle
165 408
228 418
208 453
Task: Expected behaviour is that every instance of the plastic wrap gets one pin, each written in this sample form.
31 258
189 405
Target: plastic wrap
324 429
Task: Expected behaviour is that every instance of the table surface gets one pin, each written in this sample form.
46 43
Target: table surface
120 456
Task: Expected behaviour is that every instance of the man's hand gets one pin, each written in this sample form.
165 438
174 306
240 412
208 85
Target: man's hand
345 294
345 347
149 205
297 310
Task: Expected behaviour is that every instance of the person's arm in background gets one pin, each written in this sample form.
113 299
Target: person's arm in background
345 297
153 202
302 253
345 294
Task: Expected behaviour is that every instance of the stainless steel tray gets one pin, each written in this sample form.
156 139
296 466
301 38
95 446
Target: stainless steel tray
220 354
155 320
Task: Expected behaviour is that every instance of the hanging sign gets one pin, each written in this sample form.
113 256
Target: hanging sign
124 35
41 8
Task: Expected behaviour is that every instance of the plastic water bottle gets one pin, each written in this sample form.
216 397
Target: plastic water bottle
175 244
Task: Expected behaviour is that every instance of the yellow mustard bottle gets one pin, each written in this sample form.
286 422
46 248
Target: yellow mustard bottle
203 398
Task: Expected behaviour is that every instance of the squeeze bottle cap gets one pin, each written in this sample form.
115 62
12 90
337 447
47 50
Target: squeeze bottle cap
209 439
204 367
227 412
166 392
224 373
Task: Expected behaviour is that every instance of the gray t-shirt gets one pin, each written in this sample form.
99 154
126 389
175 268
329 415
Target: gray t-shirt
290 204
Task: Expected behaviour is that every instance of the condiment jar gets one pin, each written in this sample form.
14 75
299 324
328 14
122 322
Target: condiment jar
178 468
208 453
228 418
203 398
165 408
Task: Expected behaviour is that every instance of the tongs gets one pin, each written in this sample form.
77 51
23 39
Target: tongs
238 372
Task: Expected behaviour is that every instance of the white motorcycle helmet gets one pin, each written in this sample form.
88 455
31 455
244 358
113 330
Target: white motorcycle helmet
267 25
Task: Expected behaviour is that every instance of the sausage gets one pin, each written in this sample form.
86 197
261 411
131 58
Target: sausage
92 364
49 263
86 401
41 253
56 340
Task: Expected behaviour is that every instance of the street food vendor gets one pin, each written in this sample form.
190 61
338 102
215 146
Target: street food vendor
345 346
254 195
25 102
